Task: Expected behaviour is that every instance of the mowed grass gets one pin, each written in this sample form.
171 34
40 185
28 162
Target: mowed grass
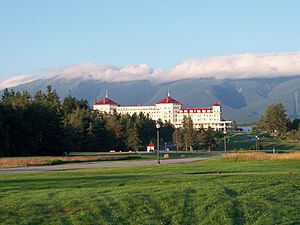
244 192
272 143
76 157
244 142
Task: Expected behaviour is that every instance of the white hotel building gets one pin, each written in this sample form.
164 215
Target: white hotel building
169 109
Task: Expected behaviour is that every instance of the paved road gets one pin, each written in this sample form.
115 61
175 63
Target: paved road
99 165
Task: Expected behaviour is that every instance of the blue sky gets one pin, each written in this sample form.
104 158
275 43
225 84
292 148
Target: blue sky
37 35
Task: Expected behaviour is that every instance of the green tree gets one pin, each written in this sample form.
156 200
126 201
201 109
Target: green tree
188 133
132 139
4 142
177 139
31 126
70 103
7 97
79 120
166 131
52 99
116 135
210 140
293 124
274 121
146 128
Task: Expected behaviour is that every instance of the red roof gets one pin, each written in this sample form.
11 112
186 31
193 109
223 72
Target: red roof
150 145
168 100
217 104
106 101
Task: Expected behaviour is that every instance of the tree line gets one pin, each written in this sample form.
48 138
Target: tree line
43 124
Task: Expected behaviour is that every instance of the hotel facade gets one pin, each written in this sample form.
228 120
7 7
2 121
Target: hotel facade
169 109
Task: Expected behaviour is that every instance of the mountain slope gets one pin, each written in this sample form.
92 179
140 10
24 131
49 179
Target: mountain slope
243 100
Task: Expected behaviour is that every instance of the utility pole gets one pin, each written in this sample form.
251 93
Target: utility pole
157 151
225 144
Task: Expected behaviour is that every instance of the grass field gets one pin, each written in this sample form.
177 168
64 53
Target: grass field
244 142
257 155
244 192
7 162
83 157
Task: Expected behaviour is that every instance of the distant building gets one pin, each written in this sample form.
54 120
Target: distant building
169 109
150 147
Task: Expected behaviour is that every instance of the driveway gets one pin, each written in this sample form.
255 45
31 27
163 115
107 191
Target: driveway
103 164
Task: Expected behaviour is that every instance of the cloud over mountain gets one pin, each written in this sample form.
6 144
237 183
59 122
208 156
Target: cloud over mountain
239 66
107 73
14 81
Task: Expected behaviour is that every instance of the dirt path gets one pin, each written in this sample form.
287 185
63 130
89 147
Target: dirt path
99 165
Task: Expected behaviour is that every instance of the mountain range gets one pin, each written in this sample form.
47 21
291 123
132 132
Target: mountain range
243 100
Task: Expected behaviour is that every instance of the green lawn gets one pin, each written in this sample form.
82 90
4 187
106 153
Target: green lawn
152 155
270 143
243 142
246 192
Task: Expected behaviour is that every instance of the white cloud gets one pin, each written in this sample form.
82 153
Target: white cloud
139 69
239 66
14 81
107 73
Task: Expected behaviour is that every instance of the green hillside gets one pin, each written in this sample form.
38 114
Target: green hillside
243 100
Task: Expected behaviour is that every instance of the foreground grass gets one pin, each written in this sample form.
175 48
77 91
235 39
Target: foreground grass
246 192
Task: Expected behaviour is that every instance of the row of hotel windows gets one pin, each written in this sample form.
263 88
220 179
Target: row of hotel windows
158 111
136 109
195 111
201 115
179 120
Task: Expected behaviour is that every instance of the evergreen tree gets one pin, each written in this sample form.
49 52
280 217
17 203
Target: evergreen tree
166 131
133 140
70 103
52 99
79 120
116 131
7 97
4 142
210 140
293 125
146 128
177 139
201 139
30 126
188 132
